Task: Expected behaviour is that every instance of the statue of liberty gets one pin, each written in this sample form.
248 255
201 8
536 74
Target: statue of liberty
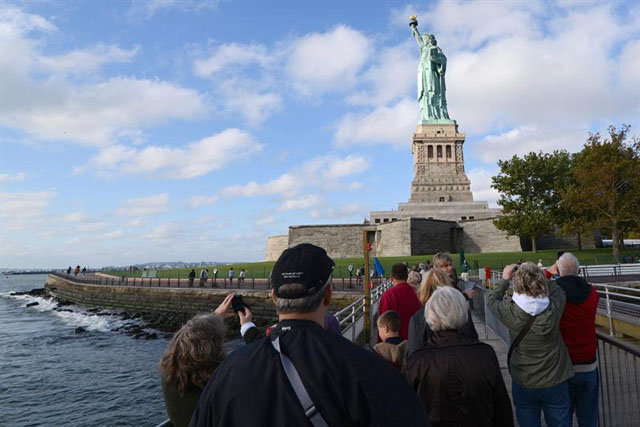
431 71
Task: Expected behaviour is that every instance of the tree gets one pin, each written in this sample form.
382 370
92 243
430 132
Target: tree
606 184
530 193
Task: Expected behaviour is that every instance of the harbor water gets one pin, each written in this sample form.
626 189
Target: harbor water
54 374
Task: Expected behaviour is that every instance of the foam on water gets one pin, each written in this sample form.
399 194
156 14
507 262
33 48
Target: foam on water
77 317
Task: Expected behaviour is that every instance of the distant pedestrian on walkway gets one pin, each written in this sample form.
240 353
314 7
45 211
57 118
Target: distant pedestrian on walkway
231 275
69 271
241 277
204 276
76 270
192 276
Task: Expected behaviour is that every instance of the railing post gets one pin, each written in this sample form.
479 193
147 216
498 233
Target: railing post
353 324
606 292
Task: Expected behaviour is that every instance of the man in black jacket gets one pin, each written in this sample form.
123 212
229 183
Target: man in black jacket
347 384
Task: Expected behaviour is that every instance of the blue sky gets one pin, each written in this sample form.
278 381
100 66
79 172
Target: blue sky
135 131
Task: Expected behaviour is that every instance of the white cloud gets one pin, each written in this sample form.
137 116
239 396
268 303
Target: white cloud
481 185
12 177
24 210
305 201
321 173
285 184
255 100
231 54
352 211
327 61
195 159
163 232
113 235
525 139
74 217
392 76
83 61
385 125
265 221
40 99
91 226
197 201
149 205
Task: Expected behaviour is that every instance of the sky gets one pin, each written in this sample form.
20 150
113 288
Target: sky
189 130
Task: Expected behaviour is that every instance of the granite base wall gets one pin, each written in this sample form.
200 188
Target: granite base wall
340 240
481 235
393 239
172 300
275 246
431 236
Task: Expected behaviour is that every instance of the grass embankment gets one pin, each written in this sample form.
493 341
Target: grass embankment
493 260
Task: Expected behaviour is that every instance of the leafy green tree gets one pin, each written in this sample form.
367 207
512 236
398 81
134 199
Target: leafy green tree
530 193
607 183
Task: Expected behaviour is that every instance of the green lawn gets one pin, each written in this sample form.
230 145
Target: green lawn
493 260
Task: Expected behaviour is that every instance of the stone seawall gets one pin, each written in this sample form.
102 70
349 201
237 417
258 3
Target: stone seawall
188 302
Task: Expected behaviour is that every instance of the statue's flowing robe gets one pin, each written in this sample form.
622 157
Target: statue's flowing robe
431 85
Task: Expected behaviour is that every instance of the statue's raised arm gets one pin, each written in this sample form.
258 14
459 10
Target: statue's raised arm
413 23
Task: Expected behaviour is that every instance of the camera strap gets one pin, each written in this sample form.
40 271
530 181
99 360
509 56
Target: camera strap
309 407
519 338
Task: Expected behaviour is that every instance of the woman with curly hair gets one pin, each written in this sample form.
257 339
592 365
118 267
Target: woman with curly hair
195 351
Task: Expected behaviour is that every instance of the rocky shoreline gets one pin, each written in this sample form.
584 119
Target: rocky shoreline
167 322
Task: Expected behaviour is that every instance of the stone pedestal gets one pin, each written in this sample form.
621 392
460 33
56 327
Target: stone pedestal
438 163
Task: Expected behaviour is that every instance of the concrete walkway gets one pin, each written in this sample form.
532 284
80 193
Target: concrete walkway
488 336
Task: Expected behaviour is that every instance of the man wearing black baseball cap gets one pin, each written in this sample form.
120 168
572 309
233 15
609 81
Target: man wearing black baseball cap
301 374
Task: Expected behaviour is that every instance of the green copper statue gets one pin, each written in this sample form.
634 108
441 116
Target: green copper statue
431 70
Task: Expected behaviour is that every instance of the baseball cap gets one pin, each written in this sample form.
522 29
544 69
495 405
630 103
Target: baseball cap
306 264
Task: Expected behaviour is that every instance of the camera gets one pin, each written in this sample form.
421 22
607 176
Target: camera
238 304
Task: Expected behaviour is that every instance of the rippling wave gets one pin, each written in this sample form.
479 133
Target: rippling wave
53 376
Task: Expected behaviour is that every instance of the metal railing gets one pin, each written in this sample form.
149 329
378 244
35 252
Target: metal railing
619 377
599 273
619 302
351 318
339 284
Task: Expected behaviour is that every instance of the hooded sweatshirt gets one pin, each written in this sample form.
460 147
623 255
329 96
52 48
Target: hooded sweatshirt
577 324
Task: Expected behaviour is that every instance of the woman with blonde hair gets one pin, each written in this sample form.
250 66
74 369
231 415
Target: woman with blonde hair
419 331
195 351
414 280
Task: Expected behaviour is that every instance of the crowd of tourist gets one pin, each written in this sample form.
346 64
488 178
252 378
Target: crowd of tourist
428 367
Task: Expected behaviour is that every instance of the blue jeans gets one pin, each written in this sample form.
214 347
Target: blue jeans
583 390
554 402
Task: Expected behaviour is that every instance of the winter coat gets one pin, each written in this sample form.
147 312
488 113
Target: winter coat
393 350
541 360
460 382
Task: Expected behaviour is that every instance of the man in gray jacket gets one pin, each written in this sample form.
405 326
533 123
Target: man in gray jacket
540 364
